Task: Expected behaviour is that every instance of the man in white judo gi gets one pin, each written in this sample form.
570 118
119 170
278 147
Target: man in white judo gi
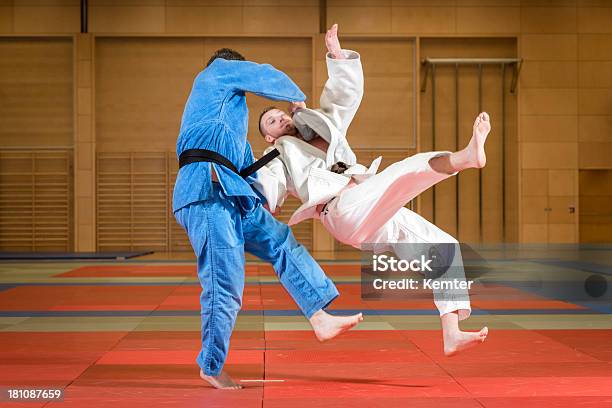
355 204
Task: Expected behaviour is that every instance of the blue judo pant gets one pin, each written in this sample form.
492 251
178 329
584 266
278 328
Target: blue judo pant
220 234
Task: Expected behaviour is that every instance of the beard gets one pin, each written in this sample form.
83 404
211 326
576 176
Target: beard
291 130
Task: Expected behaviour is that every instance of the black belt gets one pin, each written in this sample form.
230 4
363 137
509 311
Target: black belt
202 155
326 204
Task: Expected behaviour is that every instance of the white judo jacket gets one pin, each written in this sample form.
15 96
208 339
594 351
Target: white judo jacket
301 169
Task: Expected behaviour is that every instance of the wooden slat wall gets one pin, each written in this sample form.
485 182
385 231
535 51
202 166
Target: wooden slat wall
36 200
133 204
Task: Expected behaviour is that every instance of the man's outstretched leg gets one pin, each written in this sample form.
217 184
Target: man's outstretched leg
273 241
454 303
472 156
367 206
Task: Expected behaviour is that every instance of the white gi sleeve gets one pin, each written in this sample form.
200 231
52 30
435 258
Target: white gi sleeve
343 90
273 182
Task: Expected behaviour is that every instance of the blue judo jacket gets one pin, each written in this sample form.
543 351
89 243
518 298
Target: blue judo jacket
216 118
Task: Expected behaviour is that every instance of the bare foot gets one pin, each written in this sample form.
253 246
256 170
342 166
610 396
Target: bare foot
460 340
222 381
327 327
475 149
472 156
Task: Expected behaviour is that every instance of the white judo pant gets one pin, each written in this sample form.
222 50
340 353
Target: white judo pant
373 212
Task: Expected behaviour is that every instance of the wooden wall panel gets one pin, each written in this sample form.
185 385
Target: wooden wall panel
426 17
595 206
595 123
132 201
595 19
205 17
596 155
549 128
370 17
596 47
6 18
422 19
126 18
37 95
549 20
46 16
486 20
279 17
141 88
84 147
595 95
36 201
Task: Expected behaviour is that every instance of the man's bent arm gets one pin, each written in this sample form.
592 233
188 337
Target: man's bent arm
343 90
263 80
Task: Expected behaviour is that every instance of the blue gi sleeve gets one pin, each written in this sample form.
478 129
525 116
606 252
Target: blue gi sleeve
264 80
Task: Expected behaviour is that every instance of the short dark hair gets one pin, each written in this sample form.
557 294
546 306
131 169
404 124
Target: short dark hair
225 53
263 112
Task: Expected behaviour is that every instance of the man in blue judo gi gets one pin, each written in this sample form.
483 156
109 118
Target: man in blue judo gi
224 217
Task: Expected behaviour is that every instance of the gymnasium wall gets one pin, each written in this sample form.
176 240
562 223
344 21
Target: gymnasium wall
107 104
36 130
